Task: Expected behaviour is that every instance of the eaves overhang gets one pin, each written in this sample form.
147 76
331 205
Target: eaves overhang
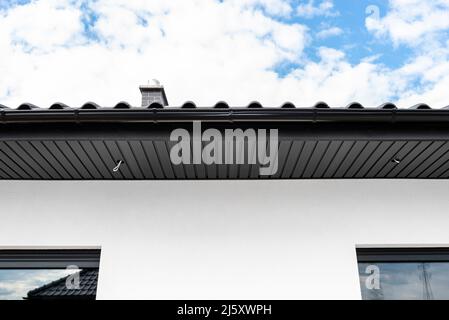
88 143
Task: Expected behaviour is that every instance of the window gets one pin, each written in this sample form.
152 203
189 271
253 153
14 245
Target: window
49 274
404 273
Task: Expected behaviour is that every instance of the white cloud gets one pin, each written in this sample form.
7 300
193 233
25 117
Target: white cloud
201 50
411 22
311 9
431 70
340 83
42 25
273 7
186 44
421 26
329 32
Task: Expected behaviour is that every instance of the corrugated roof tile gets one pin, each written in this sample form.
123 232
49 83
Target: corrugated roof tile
288 105
388 106
421 106
27 106
59 106
321 105
355 105
220 104
189 105
155 105
122 105
90 106
255 105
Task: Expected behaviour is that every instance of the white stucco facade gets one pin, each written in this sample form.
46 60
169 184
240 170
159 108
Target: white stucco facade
225 239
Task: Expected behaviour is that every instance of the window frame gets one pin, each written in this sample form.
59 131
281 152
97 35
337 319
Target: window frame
402 254
50 258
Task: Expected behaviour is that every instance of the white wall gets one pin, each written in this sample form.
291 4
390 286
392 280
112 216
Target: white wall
225 239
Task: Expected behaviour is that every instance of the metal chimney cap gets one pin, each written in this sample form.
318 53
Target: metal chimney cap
153 84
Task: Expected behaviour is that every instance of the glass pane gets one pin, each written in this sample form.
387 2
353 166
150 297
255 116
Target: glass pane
404 281
15 284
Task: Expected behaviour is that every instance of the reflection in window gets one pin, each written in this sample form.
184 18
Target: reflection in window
15 284
395 275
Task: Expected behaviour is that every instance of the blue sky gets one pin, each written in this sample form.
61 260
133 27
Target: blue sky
356 41
303 51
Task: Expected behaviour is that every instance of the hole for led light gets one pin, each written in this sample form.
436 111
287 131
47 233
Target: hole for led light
117 167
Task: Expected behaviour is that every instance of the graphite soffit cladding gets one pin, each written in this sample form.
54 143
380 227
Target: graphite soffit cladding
87 143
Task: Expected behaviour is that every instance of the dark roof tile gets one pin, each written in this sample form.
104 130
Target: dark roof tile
288 105
90 106
355 105
155 105
255 105
421 106
221 105
388 106
122 105
59 106
189 105
321 105
27 106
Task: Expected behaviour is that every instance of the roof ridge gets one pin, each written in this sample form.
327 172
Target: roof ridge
58 106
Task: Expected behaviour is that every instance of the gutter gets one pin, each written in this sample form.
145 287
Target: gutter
231 115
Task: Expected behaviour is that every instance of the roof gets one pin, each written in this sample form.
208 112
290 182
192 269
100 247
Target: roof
58 289
221 111
63 143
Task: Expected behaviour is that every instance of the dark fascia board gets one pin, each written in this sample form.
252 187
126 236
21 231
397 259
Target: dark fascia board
287 131
176 115
421 254
49 258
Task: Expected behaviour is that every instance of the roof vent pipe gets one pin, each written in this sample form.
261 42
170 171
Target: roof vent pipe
153 92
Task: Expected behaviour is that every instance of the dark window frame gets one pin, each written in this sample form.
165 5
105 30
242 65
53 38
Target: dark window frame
405 254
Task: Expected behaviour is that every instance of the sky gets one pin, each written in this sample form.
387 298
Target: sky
272 51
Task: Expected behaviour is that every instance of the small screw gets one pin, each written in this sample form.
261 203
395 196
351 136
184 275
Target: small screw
396 161
117 167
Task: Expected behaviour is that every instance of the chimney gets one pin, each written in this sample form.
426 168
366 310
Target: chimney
153 92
